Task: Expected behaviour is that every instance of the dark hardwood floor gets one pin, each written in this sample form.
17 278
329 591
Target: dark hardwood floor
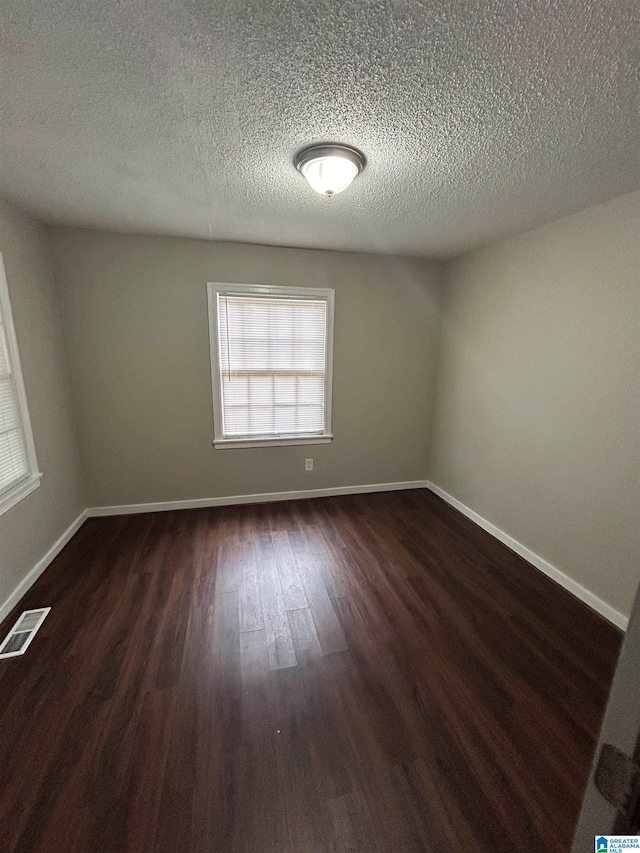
363 674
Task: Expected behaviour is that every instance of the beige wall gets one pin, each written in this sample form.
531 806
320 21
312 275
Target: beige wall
135 318
31 527
537 414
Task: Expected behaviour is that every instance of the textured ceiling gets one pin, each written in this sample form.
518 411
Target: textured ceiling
478 119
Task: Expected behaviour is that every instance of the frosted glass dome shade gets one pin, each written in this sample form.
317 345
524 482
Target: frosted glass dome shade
329 169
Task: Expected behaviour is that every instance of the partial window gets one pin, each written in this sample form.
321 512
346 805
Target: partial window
18 466
271 361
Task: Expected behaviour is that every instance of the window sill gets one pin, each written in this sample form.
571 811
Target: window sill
15 494
235 443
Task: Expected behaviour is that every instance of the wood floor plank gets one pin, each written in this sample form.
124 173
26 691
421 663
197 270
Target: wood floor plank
348 674
329 630
277 629
260 821
352 826
250 601
228 571
312 763
290 579
305 636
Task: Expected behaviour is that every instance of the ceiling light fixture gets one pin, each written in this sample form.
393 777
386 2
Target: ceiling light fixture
329 169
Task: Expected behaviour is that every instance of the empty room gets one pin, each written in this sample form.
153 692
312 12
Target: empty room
319 426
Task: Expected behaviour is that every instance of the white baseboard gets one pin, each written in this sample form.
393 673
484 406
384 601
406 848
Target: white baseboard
555 574
41 565
265 497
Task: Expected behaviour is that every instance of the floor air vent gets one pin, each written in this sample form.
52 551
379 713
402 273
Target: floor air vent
25 629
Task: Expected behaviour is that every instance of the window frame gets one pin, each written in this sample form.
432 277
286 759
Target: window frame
214 289
14 493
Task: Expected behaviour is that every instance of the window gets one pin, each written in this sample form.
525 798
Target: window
18 466
271 357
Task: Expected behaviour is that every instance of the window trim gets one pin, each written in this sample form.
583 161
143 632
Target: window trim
14 493
230 289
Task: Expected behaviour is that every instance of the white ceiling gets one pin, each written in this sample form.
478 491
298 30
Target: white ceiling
181 117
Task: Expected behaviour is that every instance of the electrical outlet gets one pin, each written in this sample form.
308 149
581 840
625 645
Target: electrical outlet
308 464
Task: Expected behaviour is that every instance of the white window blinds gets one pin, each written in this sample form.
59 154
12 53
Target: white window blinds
272 363
14 464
